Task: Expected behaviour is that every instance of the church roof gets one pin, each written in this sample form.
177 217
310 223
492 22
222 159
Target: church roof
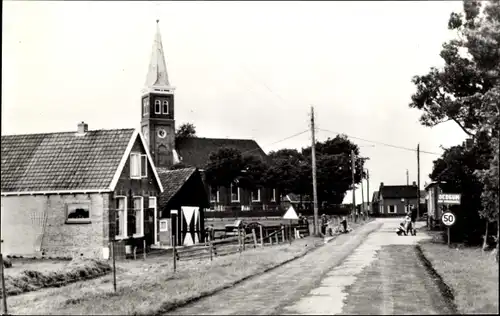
194 151
398 191
65 162
157 71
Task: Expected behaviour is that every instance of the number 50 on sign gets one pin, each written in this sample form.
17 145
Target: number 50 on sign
448 218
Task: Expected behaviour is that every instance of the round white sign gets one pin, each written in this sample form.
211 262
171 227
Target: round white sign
448 218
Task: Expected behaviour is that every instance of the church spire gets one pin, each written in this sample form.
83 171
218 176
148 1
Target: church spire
157 77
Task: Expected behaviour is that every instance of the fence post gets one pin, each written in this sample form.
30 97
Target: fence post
254 238
4 292
261 236
113 254
283 233
244 238
239 241
277 238
211 249
144 248
174 255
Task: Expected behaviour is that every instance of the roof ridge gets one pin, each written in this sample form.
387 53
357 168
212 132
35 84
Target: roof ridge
71 132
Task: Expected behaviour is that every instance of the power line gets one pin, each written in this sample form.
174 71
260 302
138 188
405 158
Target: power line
381 143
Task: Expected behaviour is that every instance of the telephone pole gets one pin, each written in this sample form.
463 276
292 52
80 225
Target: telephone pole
362 198
418 181
353 170
407 177
368 190
313 156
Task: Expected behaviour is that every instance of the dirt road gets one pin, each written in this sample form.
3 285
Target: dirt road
369 271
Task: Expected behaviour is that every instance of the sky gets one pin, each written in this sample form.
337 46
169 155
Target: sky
241 70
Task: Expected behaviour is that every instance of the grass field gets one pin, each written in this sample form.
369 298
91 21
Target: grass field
151 286
471 274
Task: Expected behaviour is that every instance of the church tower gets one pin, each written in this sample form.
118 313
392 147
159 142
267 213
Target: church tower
157 114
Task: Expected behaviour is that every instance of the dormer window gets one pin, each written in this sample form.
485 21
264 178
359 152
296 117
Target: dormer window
157 106
138 166
165 106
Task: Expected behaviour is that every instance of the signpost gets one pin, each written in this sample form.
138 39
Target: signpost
291 215
448 219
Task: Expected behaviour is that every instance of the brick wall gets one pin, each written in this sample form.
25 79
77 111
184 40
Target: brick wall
24 218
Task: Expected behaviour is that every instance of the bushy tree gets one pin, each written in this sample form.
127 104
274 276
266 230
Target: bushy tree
466 89
224 166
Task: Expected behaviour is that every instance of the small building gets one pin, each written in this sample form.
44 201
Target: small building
185 192
396 200
70 194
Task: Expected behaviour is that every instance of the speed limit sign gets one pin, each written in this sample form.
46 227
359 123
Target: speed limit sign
448 219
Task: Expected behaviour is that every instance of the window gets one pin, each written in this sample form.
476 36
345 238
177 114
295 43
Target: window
157 107
121 217
391 209
273 198
78 213
152 205
138 216
138 166
235 193
256 195
165 107
164 225
214 194
145 106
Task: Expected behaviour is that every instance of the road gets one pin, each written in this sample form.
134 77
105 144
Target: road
369 271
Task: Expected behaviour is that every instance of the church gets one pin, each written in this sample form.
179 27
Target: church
158 128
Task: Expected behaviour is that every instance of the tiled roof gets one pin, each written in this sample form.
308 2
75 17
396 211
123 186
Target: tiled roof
172 181
62 161
398 191
195 151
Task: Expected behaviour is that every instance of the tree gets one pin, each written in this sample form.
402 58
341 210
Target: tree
286 171
224 166
466 90
184 131
253 174
334 168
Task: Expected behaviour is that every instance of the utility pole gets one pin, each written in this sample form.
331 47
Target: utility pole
368 189
418 181
407 177
362 198
315 192
353 169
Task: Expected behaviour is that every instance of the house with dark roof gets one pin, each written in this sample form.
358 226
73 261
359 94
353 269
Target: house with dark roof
195 151
72 193
185 192
396 200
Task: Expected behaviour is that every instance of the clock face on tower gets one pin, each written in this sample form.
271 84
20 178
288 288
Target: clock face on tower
162 133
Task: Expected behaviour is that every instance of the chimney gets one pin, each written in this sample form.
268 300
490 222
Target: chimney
469 143
82 128
381 184
414 183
